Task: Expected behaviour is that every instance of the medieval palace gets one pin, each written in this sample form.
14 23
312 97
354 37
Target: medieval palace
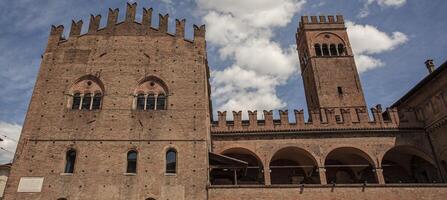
123 112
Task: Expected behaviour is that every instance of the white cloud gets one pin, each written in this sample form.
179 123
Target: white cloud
10 134
367 40
243 34
364 12
391 3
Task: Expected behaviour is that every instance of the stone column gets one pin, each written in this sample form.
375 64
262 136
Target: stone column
379 175
322 172
267 179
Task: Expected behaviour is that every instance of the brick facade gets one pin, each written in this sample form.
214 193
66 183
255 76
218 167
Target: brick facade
154 95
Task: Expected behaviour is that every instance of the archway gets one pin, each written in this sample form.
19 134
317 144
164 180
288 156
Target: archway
405 164
293 165
349 165
251 174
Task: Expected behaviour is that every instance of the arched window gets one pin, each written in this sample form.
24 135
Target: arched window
87 93
76 101
171 161
325 50
150 95
62 199
333 49
161 102
318 50
141 102
70 161
341 49
96 105
150 199
150 105
132 161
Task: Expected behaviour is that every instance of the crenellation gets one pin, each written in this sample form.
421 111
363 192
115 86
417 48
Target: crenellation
199 31
112 18
131 12
322 19
180 28
313 19
163 23
147 17
326 118
143 28
331 19
76 28
237 119
94 24
340 19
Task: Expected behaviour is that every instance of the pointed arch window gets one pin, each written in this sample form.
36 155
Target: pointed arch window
161 102
333 49
171 161
87 94
70 161
132 162
341 49
141 102
151 95
325 50
76 101
318 50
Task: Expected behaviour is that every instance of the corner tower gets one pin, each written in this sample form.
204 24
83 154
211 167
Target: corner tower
327 64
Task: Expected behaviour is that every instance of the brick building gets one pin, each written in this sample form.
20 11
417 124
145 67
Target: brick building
124 112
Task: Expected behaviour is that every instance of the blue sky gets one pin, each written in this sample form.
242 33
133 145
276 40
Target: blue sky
250 47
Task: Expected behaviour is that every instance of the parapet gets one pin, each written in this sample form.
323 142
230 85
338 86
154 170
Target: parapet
132 27
323 119
322 21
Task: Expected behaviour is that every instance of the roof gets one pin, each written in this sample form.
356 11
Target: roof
421 84
218 159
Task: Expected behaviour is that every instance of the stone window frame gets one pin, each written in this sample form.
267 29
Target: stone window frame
150 86
86 85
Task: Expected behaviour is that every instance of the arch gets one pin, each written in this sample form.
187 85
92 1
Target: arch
252 174
155 92
171 161
132 157
87 93
407 164
293 165
70 161
324 36
348 165
62 199
150 199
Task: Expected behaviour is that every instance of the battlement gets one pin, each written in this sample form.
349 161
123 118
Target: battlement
322 22
324 119
129 26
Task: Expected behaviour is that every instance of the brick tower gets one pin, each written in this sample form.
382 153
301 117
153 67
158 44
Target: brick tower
121 112
327 63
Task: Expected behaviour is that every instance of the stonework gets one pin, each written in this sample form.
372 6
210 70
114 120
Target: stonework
129 87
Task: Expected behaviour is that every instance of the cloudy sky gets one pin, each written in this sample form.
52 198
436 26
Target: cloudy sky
251 47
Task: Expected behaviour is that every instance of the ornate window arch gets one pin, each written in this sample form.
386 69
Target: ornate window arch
87 94
151 94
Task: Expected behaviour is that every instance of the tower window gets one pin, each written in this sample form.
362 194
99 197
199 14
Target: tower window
87 94
340 90
325 50
318 51
333 49
132 162
341 49
70 161
171 161
151 95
